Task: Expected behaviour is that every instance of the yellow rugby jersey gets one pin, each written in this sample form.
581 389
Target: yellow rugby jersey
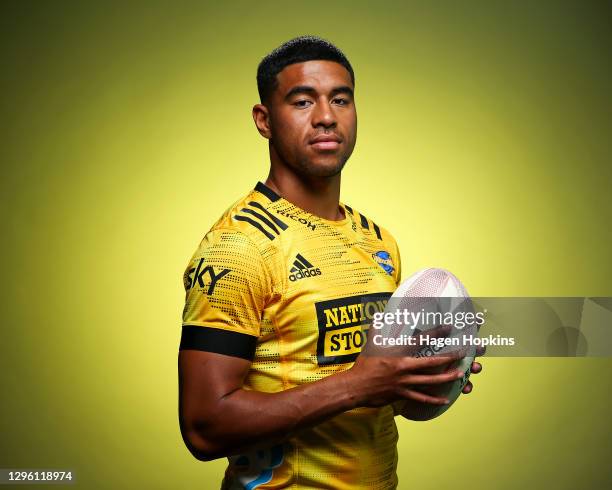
294 293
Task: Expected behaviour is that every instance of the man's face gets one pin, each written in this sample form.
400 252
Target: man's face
313 121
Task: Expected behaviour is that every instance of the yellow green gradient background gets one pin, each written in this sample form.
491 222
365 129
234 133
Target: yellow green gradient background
484 146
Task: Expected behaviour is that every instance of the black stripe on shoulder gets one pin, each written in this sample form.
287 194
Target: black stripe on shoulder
261 218
219 341
377 230
278 222
349 209
256 225
266 191
364 222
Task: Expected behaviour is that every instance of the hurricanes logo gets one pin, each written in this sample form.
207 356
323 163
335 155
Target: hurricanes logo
302 269
383 259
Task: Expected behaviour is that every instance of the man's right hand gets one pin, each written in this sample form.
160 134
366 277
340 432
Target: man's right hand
377 380
383 375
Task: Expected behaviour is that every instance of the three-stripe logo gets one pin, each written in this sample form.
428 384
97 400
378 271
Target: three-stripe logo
262 219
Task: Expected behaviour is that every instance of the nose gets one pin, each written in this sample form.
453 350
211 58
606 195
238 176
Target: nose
323 115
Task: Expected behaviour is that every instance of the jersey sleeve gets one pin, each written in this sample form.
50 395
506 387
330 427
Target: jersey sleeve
227 286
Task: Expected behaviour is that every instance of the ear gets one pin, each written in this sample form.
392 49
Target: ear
261 116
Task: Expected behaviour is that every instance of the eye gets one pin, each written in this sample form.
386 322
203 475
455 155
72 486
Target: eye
303 103
340 101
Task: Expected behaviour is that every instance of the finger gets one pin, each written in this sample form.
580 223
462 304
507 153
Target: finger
476 367
423 398
467 388
431 379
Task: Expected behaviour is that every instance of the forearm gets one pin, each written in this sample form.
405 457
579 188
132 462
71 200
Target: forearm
244 419
220 418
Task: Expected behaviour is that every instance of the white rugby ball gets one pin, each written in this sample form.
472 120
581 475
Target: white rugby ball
411 294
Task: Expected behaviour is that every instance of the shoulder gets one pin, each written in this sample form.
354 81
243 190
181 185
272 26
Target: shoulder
237 229
379 239
250 218
370 227
243 239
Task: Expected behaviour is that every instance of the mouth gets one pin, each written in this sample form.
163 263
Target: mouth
325 142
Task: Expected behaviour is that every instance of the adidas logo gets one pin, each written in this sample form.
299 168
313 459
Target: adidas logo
302 269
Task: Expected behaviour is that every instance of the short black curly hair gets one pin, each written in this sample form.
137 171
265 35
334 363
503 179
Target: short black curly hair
296 50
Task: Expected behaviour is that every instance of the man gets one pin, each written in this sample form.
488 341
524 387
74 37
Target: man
279 293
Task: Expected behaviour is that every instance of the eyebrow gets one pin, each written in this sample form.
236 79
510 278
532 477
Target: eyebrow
308 90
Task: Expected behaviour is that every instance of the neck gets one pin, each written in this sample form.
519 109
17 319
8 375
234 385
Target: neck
317 195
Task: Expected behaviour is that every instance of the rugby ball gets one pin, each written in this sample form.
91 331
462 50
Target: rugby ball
435 292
